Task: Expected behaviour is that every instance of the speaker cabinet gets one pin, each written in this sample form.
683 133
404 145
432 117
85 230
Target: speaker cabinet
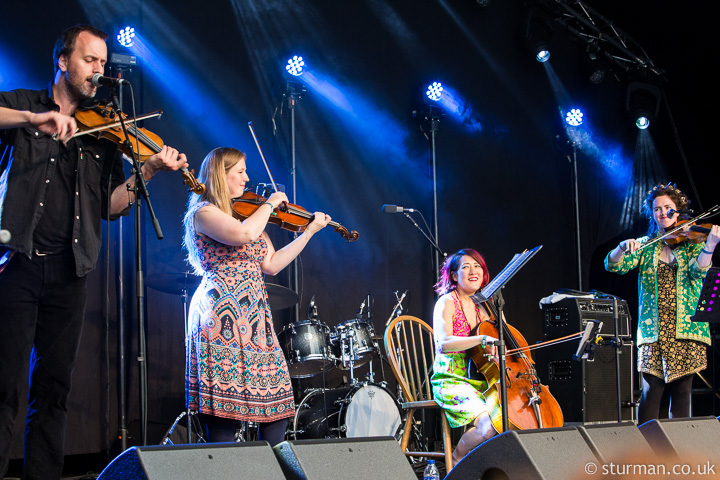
696 438
612 441
545 454
587 390
344 458
251 460
570 315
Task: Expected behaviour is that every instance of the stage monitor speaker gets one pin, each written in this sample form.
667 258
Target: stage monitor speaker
686 438
614 441
545 454
587 390
344 458
250 460
570 315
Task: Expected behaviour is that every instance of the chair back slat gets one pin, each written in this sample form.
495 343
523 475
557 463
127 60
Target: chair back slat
407 339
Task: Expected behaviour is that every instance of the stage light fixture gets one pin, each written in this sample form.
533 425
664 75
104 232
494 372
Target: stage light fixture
596 64
574 117
643 103
538 33
642 123
125 36
434 91
295 66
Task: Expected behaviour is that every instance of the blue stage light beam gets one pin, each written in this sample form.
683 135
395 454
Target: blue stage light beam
184 90
456 106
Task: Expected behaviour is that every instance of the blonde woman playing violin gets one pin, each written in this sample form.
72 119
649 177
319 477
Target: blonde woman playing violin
671 348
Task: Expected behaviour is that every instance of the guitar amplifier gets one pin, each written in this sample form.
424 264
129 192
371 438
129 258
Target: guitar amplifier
570 315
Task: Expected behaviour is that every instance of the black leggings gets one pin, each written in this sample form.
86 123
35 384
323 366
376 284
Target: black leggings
652 392
223 429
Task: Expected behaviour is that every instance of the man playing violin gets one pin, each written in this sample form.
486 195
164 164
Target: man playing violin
53 193
671 348
455 317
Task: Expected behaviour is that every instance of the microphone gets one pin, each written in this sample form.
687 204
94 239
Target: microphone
5 236
671 213
360 311
396 209
100 80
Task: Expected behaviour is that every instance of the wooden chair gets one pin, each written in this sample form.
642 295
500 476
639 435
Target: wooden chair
410 349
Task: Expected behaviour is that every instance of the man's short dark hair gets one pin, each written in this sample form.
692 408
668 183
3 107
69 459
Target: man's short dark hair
65 44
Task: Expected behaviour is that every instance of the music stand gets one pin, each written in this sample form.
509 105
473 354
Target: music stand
491 290
708 306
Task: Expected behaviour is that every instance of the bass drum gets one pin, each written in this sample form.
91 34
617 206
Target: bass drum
366 410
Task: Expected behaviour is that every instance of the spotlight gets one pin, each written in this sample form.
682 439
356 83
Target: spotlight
642 123
295 66
538 33
574 117
434 91
125 36
643 103
542 55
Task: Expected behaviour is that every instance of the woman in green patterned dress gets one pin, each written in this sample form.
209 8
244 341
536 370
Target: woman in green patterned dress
456 315
671 348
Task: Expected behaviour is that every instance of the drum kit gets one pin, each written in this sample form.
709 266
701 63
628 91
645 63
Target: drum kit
360 409
357 409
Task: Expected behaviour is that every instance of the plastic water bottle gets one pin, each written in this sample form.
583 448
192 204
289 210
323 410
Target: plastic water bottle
431 471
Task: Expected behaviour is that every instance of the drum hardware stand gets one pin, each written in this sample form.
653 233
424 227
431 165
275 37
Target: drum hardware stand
191 416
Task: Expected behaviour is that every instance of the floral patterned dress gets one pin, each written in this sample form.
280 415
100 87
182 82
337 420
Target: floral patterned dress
235 367
670 358
460 396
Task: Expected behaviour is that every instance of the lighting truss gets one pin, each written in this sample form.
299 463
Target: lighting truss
593 29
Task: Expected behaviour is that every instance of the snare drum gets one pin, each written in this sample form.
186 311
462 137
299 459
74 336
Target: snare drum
364 410
307 348
359 333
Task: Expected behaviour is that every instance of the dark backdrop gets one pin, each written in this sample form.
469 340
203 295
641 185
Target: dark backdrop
503 182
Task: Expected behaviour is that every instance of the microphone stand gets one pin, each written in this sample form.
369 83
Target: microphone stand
140 191
432 241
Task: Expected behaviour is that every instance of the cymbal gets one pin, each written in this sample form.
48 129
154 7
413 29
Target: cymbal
280 297
174 283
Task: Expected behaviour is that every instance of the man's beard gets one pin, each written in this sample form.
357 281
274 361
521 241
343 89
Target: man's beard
77 88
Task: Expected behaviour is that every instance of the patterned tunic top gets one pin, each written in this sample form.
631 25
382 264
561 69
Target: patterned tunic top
460 396
688 283
235 367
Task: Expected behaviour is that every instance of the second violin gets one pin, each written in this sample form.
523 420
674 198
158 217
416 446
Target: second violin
101 121
288 217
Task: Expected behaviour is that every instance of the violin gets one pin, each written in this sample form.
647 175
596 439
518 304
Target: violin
530 404
100 120
694 233
680 232
287 216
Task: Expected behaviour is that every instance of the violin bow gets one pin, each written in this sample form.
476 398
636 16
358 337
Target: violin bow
262 155
711 212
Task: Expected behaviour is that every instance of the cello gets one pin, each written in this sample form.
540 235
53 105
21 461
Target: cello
530 404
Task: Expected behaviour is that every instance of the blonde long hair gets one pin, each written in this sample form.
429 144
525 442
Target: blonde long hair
212 173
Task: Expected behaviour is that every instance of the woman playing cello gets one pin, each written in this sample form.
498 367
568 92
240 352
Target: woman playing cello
463 274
